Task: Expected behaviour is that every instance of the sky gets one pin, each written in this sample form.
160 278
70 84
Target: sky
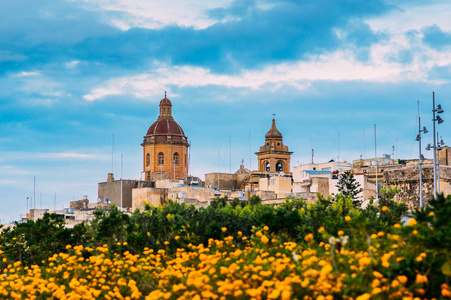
75 72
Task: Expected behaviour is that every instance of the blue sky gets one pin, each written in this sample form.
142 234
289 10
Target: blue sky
73 72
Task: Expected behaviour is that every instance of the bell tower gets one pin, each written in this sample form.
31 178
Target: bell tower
274 155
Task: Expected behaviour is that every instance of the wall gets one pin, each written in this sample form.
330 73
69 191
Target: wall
227 181
143 195
407 180
168 149
191 192
112 190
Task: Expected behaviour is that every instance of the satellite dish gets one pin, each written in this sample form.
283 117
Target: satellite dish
282 173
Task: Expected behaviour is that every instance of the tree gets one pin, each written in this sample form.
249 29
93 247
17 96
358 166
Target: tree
349 187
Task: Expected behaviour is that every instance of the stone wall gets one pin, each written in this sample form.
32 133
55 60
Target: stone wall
224 181
112 190
191 192
143 195
407 180
79 204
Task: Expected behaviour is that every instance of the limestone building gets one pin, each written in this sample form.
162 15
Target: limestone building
274 155
165 147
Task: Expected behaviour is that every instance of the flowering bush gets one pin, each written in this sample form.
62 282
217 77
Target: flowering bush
329 250
356 263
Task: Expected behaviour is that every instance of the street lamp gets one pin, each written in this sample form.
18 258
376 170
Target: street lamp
420 162
439 120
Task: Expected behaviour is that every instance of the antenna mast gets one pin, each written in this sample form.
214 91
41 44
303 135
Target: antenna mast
250 152
230 154
313 152
375 154
364 148
112 151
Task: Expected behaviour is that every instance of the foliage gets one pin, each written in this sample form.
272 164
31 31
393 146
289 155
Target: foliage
349 187
258 265
292 220
32 242
297 250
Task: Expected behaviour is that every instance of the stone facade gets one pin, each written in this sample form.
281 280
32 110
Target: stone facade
111 189
407 180
143 195
223 181
79 204
228 181
204 195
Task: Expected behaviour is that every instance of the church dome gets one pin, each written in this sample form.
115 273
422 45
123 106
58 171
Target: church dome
273 132
165 128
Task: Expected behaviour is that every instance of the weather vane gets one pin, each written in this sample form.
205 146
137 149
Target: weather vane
273 115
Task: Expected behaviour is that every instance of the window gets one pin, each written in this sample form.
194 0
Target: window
279 167
160 158
164 111
274 182
176 159
278 144
267 167
148 159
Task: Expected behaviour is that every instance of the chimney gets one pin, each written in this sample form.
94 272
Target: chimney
110 177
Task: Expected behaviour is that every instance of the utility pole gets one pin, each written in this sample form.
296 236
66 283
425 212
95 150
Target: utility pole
375 154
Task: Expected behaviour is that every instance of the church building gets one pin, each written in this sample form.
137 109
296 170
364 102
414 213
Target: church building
165 147
274 155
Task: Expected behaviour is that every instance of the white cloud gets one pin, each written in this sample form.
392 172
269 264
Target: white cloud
72 64
158 13
337 66
414 17
51 155
27 74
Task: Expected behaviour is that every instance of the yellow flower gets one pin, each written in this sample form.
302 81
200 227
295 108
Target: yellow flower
412 222
397 225
285 295
347 218
431 214
340 233
266 228
384 208
421 279
176 237
365 296
240 233
377 274
125 243
402 278
321 229
264 239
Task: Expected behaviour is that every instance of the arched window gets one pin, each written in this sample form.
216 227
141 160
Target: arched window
176 159
148 159
267 167
279 167
160 158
